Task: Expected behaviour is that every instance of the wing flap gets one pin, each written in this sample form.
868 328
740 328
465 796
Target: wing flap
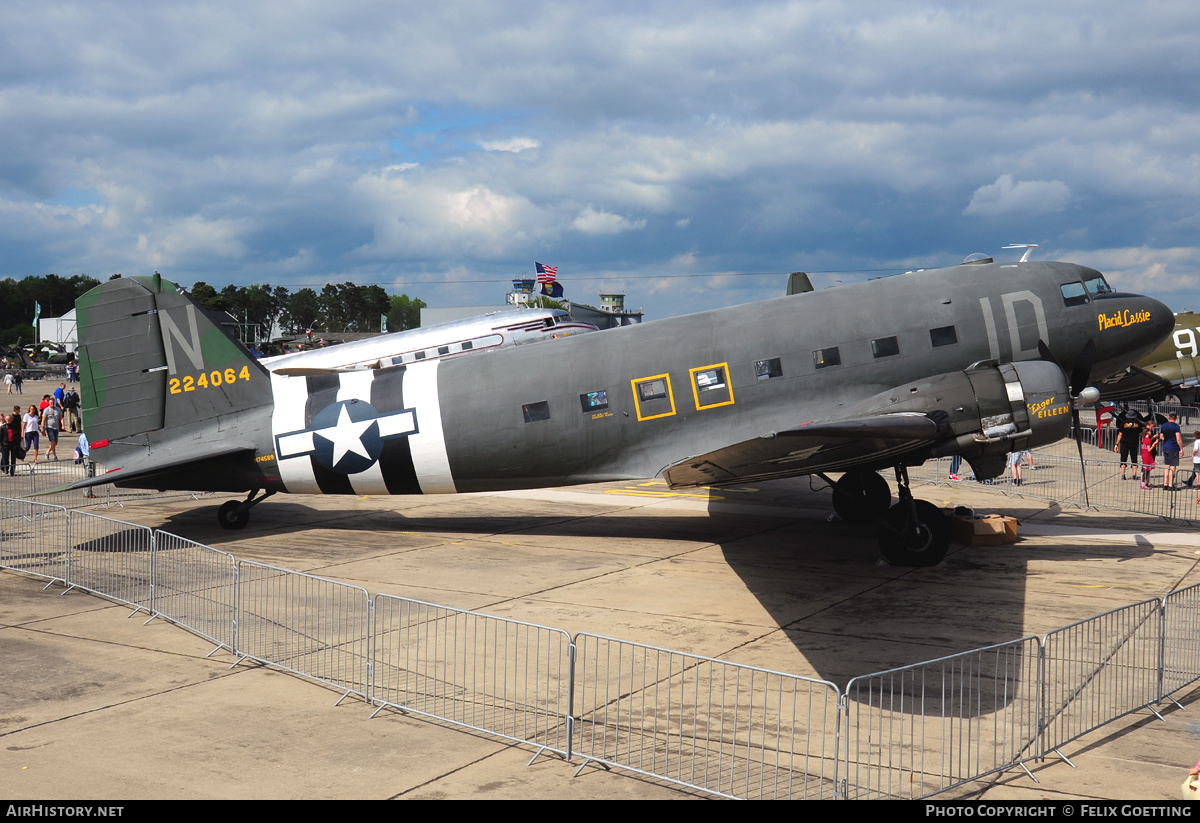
832 446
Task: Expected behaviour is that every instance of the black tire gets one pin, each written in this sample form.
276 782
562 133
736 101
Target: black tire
924 546
858 492
232 516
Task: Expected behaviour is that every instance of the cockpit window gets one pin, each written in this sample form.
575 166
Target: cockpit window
1074 294
1097 285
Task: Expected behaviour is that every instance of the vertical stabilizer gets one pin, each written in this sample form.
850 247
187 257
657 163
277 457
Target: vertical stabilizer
152 358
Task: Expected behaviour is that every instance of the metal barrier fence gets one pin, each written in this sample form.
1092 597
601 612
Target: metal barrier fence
1186 414
112 558
33 538
720 727
1181 639
310 626
1055 475
506 677
1100 669
921 729
30 479
727 728
195 586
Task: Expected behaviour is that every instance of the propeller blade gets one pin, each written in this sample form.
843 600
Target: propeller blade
1079 446
1046 354
1083 367
1079 378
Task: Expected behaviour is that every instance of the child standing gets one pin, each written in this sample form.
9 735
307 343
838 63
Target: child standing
1149 441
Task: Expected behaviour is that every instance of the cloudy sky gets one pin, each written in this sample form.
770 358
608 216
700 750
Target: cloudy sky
687 153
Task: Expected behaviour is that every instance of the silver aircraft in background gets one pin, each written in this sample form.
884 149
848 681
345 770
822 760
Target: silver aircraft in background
493 330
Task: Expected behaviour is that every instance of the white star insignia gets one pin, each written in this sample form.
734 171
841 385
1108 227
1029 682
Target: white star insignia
346 436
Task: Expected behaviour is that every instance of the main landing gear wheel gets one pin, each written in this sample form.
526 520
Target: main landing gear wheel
920 542
232 516
860 494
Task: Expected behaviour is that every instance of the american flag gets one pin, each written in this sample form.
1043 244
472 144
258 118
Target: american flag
546 274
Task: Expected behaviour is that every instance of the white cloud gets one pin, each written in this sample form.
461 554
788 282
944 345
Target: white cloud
370 139
1146 270
514 144
191 236
443 216
1025 197
591 221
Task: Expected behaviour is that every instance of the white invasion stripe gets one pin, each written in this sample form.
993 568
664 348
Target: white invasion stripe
356 385
291 400
396 424
295 444
428 446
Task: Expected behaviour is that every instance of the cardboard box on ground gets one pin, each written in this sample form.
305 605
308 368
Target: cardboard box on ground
985 530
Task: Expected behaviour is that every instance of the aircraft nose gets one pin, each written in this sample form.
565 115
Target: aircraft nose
1162 319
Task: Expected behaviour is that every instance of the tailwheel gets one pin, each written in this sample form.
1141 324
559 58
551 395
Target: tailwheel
235 515
914 533
860 495
231 515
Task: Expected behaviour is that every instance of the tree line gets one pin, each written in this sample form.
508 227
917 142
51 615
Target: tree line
338 307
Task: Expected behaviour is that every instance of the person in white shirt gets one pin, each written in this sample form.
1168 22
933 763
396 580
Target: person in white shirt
31 426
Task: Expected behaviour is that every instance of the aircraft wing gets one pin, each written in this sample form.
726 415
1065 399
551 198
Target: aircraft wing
145 469
832 446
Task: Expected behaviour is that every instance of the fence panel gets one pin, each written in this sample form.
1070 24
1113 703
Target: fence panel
501 676
33 538
41 477
1099 669
921 729
111 558
1054 474
196 587
726 728
308 625
1181 639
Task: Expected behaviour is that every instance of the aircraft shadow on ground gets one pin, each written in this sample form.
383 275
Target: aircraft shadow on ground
820 582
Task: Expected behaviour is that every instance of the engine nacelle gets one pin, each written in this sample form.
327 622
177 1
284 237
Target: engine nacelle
990 409
1016 406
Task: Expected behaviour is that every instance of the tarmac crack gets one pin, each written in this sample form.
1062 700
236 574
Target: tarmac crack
119 703
460 768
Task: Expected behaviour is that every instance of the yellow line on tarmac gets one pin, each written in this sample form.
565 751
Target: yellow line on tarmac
648 493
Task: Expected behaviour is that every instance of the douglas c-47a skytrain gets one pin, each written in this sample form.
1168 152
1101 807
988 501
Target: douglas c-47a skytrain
969 360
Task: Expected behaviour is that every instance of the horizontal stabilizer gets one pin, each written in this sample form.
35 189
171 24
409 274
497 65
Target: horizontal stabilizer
149 467
833 446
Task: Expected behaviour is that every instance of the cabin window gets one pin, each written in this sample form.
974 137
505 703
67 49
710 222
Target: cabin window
594 401
943 336
652 389
419 355
766 369
710 386
823 358
1074 294
653 396
535 412
885 347
443 349
467 346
